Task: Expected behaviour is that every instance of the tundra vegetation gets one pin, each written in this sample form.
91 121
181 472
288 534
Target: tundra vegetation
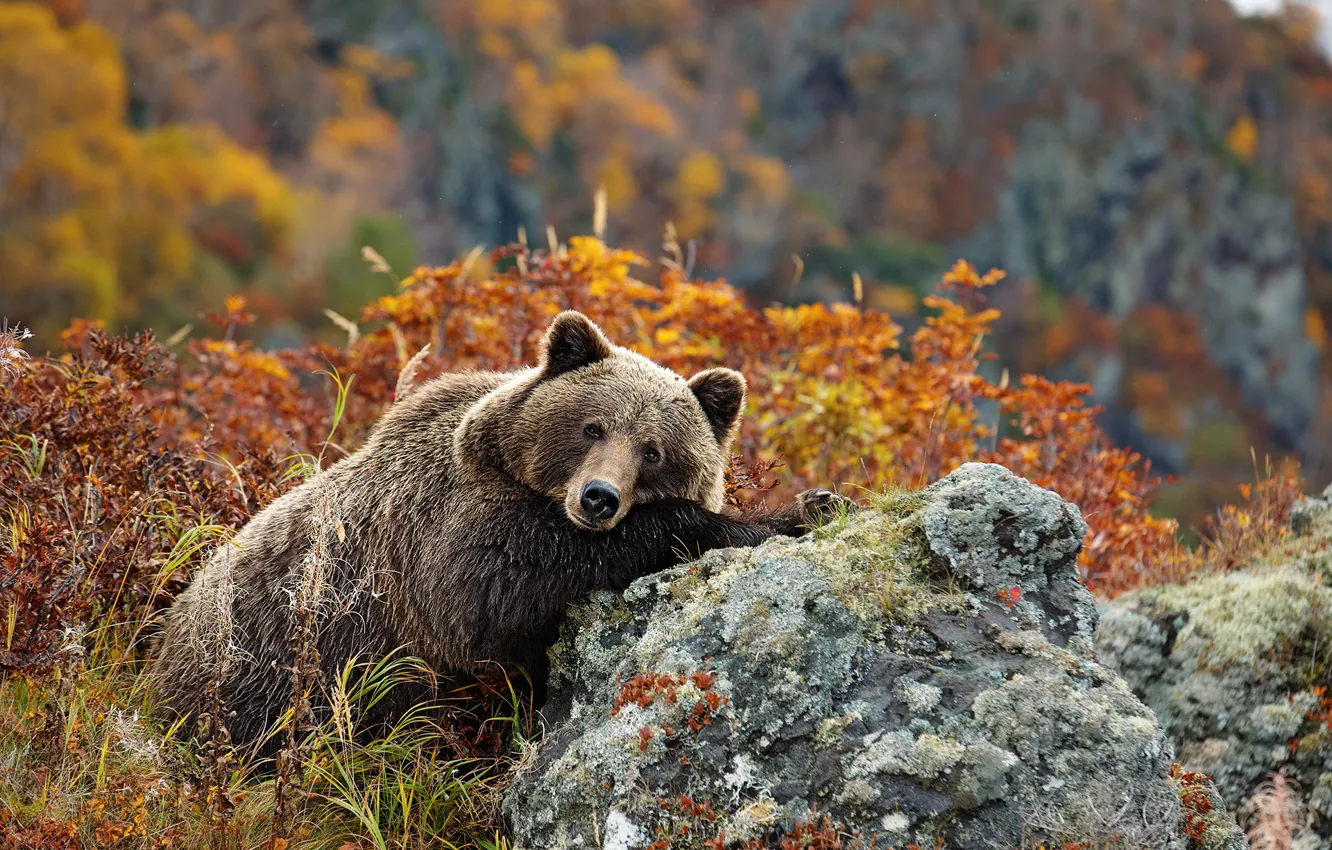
123 460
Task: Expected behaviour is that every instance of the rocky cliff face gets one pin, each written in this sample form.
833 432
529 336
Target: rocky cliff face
921 673
1237 668
1151 220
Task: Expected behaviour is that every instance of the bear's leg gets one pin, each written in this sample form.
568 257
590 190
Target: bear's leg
806 512
659 535
523 584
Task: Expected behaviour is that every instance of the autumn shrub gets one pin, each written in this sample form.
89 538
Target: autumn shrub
1238 534
95 496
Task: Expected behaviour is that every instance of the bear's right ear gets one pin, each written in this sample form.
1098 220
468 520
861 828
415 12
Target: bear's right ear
572 342
721 394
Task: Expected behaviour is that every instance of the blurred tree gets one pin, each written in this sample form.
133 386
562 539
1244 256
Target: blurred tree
100 221
350 282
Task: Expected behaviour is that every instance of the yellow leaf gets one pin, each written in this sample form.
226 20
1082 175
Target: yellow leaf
1242 140
747 101
1195 62
1315 328
617 176
700 176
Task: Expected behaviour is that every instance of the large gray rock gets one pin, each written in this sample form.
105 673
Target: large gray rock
923 670
1237 667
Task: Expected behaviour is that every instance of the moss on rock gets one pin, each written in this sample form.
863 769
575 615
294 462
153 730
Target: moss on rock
1238 666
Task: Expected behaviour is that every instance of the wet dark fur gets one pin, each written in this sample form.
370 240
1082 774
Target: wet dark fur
452 531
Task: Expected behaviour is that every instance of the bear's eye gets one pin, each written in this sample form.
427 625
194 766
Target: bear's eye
651 455
593 431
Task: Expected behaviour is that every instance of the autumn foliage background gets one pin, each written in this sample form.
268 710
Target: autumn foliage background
159 156
232 226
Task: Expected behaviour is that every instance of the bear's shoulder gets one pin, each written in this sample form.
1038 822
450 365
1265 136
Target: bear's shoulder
439 403
453 390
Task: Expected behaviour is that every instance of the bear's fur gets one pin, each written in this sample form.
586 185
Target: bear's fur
459 530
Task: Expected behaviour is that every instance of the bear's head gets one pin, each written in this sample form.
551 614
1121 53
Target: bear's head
600 428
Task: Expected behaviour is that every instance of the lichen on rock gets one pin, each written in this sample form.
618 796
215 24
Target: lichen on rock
921 671
1237 666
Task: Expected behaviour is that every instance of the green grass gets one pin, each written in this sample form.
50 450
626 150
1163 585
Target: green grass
879 567
83 751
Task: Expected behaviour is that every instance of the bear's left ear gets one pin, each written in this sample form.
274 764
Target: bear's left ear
572 342
721 394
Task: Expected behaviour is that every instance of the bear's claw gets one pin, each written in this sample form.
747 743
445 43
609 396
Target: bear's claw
818 506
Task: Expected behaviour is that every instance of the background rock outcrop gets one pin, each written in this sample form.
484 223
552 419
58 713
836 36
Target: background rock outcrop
922 671
1236 667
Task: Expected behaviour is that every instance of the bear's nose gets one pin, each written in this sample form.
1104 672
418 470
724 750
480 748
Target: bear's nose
600 499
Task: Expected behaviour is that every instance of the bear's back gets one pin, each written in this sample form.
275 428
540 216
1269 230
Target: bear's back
245 586
420 427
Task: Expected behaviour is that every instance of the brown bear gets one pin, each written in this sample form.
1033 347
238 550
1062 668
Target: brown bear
479 508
